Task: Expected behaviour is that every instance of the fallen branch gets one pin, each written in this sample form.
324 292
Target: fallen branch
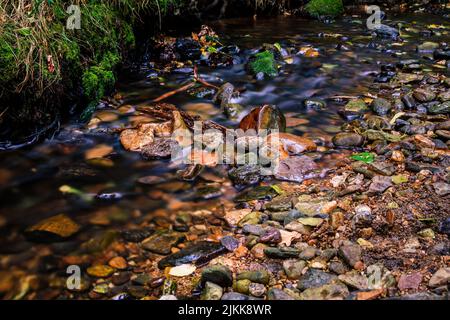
186 87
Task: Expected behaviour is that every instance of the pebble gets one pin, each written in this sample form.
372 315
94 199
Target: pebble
410 281
229 242
355 280
379 184
278 294
260 276
440 278
100 271
218 274
325 292
351 253
293 268
257 289
212 291
118 263
441 188
345 139
315 278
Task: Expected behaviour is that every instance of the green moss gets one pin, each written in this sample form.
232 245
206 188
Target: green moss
332 8
264 62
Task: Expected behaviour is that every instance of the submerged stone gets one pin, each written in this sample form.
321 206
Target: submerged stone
198 253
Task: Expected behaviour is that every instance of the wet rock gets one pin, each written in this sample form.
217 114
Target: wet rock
56 228
120 278
281 253
315 278
385 31
379 184
293 268
252 218
440 278
346 139
291 143
363 215
410 281
100 271
355 280
264 118
137 292
278 294
118 263
218 274
441 188
381 106
314 104
230 243
212 292
259 276
136 235
424 95
257 289
384 168
224 94
257 193
242 286
351 253
162 242
161 148
200 252
245 175
326 292
279 204
296 169
444 227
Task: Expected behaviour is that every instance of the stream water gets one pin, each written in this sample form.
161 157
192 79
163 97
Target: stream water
31 178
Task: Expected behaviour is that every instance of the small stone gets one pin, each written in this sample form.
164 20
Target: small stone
137 292
258 250
308 253
338 267
345 139
100 271
278 294
363 215
242 286
440 278
310 221
120 278
398 156
257 289
441 188
229 242
426 233
410 281
182 270
381 106
202 251
325 292
55 228
281 253
315 278
293 268
424 95
218 274
351 253
212 291
337 219
234 216
118 263
271 235
162 242
260 276
235 296
355 280
380 184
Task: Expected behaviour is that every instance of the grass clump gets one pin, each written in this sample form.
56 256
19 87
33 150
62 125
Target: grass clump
264 62
44 63
318 8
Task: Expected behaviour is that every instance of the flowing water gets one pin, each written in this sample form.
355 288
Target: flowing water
30 178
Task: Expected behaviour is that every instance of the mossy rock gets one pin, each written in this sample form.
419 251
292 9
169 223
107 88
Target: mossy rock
263 62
